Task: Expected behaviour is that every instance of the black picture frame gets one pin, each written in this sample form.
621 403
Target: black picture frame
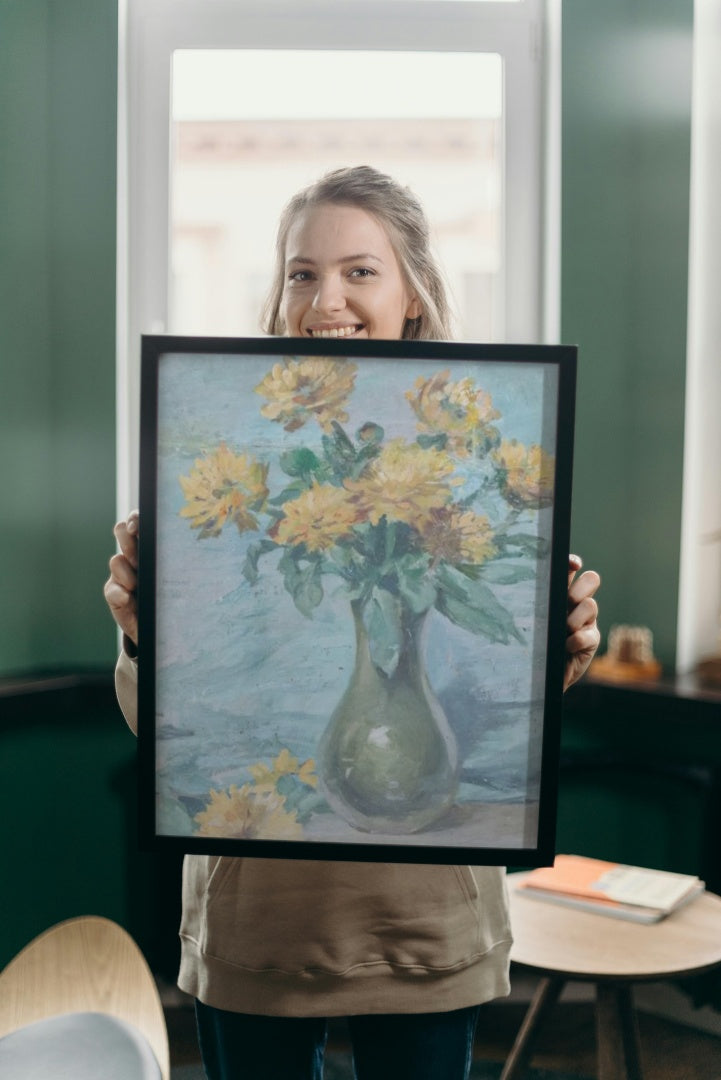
310 510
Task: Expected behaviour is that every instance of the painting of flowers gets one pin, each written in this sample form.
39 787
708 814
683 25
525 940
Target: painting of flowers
352 560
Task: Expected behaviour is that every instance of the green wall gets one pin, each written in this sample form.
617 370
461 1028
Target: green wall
58 71
626 145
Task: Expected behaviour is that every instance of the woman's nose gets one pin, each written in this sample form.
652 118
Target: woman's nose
329 295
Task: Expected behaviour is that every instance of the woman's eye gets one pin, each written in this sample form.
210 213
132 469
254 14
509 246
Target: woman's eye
362 272
300 276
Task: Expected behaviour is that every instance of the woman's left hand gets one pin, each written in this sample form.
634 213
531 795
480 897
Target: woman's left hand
583 636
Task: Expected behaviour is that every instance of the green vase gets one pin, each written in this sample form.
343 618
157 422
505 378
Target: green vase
388 761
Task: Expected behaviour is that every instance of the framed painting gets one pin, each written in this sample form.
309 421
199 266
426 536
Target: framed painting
352 597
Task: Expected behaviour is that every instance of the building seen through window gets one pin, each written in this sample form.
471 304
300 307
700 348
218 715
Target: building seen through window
231 175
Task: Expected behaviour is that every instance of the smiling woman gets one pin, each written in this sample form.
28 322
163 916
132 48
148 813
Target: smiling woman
353 259
337 293
368 510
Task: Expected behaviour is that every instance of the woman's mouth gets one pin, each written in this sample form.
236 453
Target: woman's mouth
335 331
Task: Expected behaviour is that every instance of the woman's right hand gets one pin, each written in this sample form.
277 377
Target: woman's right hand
121 587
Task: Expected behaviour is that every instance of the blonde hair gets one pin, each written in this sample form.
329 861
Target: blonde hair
403 217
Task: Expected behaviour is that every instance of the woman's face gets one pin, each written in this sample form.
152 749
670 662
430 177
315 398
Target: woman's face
342 277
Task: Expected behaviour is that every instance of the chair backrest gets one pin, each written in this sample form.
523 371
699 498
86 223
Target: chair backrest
87 964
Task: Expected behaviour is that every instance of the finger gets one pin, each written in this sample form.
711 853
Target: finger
576 666
119 599
584 613
123 572
575 563
123 608
585 585
586 640
126 534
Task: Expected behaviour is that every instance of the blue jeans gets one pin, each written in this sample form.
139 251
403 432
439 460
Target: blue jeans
414 1046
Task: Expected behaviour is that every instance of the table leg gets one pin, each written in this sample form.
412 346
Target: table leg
545 997
617 1033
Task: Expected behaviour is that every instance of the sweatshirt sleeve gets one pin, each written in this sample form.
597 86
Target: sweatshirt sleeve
126 688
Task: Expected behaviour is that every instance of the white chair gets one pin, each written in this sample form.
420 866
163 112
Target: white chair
80 1002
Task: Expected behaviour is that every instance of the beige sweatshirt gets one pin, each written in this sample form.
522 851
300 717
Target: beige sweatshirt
285 937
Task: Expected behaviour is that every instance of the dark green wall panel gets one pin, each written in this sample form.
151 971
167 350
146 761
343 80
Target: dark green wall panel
68 789
61 788
25 397
626 145
58 79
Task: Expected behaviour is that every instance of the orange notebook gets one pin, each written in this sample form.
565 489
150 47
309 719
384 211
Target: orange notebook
632 892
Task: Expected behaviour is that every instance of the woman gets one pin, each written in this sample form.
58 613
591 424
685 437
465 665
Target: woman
271 948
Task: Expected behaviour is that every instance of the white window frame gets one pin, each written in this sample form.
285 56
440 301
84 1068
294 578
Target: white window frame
699 597
526 34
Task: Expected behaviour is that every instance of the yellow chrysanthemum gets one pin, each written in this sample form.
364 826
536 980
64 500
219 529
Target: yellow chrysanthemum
527 474
224 487
458 410
248 814
284 765
318 518
458 536
314 387
405 482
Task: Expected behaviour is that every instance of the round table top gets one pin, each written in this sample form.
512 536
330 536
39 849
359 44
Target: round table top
559 940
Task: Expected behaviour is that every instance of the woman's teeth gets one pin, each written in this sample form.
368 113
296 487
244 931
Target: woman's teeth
337 331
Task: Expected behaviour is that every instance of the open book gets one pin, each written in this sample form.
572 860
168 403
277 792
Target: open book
608 888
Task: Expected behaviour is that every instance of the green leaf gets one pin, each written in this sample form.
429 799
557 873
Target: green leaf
309 802
525 543
430 442
414 583
390 538
340 437
299 797
497 573
364 456
342 556
291 491
289 567
453 583
374 541
491 439
252 557
405 542
382 620
300 462
359 569
303 582
339 452
370 434
472 606
469 570
308 592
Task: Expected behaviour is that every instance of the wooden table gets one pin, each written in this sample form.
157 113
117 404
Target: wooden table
563 944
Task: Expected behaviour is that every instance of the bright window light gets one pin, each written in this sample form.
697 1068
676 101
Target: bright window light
222 84
238 155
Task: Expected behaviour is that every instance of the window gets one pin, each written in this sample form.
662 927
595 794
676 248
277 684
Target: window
227 107
236 160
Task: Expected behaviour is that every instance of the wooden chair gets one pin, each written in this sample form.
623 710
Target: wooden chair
81 970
